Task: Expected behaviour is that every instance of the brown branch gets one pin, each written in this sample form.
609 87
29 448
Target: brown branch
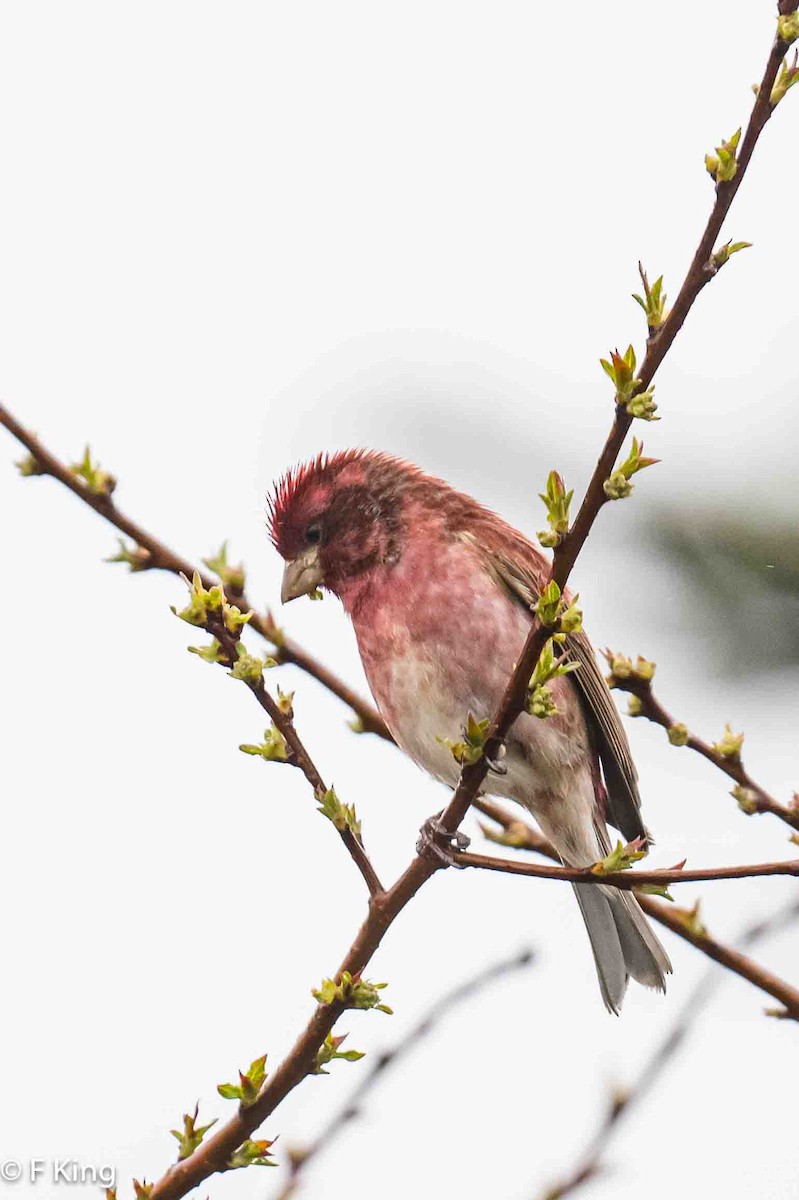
214 1154
161 557
389 1059
700 272
298 755
754 799
628 880
682 922
620 1104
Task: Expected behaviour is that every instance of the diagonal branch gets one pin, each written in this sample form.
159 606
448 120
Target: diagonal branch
158 556
751 797
389 1059
621 1102
702 269
298 755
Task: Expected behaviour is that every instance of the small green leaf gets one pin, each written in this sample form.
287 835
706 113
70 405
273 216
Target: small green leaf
192 1134
729 746
342 815
252 1154
273 748
787 77
30 466
97 481
136 557
351 991
621 858
250 1083
232 575
329 1050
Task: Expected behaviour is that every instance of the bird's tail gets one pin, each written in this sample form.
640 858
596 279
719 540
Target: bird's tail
622 941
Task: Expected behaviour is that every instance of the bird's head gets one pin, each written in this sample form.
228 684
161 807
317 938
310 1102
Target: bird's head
338 519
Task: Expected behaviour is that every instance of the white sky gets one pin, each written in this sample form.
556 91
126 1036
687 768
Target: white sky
235 236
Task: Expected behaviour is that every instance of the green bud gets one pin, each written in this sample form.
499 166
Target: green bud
787 77
788 27
232 576
729 746
247 1090
691 919
252 1154
747 799
571 619
723 165
329 1050
634 707
469 749
653 301
97 481
136 557
351 991
557 501
192 1134
621 370
548 604
273 748
722 255
643 406
210 654
540 703
342 815
678 734
621 858
30 466
247 667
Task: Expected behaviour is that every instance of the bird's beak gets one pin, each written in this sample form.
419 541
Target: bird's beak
301 575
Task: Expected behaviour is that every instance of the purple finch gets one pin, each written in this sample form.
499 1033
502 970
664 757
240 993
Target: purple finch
440 592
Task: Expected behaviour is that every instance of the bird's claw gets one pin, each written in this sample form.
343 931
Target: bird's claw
438 843
498 766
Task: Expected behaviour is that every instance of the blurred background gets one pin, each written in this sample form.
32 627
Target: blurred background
232 238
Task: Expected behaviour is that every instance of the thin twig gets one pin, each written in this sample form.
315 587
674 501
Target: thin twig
299 756
622 1101
389 1059
753 798
682 922
700 272
214 1154
160 557
629 880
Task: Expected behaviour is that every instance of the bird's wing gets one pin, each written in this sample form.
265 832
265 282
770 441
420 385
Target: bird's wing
618 768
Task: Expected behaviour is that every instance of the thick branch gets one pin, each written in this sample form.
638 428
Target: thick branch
389 1059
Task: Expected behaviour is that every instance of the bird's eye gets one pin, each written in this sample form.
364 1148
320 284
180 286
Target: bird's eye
313 534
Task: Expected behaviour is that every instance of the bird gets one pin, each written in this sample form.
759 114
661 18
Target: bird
440 592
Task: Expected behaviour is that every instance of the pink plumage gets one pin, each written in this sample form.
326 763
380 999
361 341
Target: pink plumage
439 591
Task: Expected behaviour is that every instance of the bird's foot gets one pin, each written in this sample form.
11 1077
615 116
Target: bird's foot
498 766
438 843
